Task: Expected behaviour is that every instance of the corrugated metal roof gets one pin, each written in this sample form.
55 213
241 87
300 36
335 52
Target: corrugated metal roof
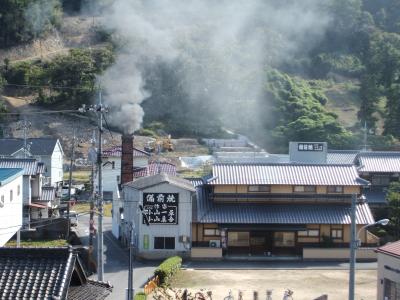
244 213
380 162
391 249
290 174
117 152
155 168
48 193
149 181
196 181
7 175
342 157
37 146
29 165
375 197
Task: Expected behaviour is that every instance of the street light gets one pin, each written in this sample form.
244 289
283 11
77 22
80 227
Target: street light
355 243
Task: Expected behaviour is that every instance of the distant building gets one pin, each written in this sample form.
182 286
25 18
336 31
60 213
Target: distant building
389 271
31 183
11 203
47 273
46 150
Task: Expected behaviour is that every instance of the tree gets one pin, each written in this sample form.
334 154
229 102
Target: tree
393 198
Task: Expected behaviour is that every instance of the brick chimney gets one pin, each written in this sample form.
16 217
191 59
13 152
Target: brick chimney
127 158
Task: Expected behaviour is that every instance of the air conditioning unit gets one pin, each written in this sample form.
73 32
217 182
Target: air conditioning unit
215 244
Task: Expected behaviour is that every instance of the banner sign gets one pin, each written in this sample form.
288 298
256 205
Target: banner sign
161 208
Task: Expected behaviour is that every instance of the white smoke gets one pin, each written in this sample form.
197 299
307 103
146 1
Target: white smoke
224 45
39 14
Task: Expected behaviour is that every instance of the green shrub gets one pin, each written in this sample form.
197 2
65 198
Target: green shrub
140 296
168 268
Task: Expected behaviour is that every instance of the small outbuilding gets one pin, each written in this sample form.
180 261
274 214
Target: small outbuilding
389 271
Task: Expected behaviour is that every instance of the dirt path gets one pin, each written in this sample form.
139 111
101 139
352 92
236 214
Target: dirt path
306 284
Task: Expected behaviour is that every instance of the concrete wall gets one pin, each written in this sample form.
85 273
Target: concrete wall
132 198
11 212
337 254
206 253
389 268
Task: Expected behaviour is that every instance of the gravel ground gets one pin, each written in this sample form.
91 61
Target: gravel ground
306 284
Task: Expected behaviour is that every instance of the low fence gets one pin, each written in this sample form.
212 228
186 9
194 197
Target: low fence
202 252
151 284
338 254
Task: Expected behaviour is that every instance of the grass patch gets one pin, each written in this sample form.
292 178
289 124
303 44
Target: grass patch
78 176
41 243
81 208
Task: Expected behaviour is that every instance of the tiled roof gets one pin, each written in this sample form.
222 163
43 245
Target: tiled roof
41 273
375 197
196 181
48 194
380 162
341 157
244 213
30 165
7 175
92 290
286 174
390 249
117 152
149 181
155 168
37 146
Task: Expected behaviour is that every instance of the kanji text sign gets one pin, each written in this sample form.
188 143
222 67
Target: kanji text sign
161 208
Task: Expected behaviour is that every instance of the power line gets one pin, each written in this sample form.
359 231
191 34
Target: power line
40 112
55 87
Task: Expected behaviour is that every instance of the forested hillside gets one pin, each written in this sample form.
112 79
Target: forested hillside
327 89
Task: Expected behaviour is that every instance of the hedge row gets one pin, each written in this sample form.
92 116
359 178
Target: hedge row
168 268
140 296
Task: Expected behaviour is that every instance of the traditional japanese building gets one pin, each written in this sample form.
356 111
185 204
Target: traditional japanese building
277 210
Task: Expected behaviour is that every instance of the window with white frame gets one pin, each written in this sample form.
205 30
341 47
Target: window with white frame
308 233
337 234
259 188
211 232
335 189
305 188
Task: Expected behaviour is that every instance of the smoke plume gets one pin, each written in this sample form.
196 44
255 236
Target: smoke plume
224 47
40 14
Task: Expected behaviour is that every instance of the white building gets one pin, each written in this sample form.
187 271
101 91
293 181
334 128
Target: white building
112 169
167 204
389 271
32 183
11 190
46 150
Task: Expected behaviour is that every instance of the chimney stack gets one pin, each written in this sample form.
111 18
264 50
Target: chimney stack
127 158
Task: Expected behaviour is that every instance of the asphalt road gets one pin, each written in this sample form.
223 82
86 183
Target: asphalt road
116 259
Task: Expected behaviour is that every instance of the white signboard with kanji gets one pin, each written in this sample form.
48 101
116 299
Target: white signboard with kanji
161 208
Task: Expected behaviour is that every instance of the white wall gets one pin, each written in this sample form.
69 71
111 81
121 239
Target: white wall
133 197
11 213
388 267
110 175
56 165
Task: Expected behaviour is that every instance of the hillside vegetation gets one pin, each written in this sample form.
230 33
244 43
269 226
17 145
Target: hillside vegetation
351 77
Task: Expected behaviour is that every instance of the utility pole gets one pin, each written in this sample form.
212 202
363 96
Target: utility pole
92 157
130 274
70 179
353 246
100 263
99 109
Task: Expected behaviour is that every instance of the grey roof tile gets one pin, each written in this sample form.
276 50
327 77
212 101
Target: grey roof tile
149 181
42 273
286 174
30 166
379 162
37 146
